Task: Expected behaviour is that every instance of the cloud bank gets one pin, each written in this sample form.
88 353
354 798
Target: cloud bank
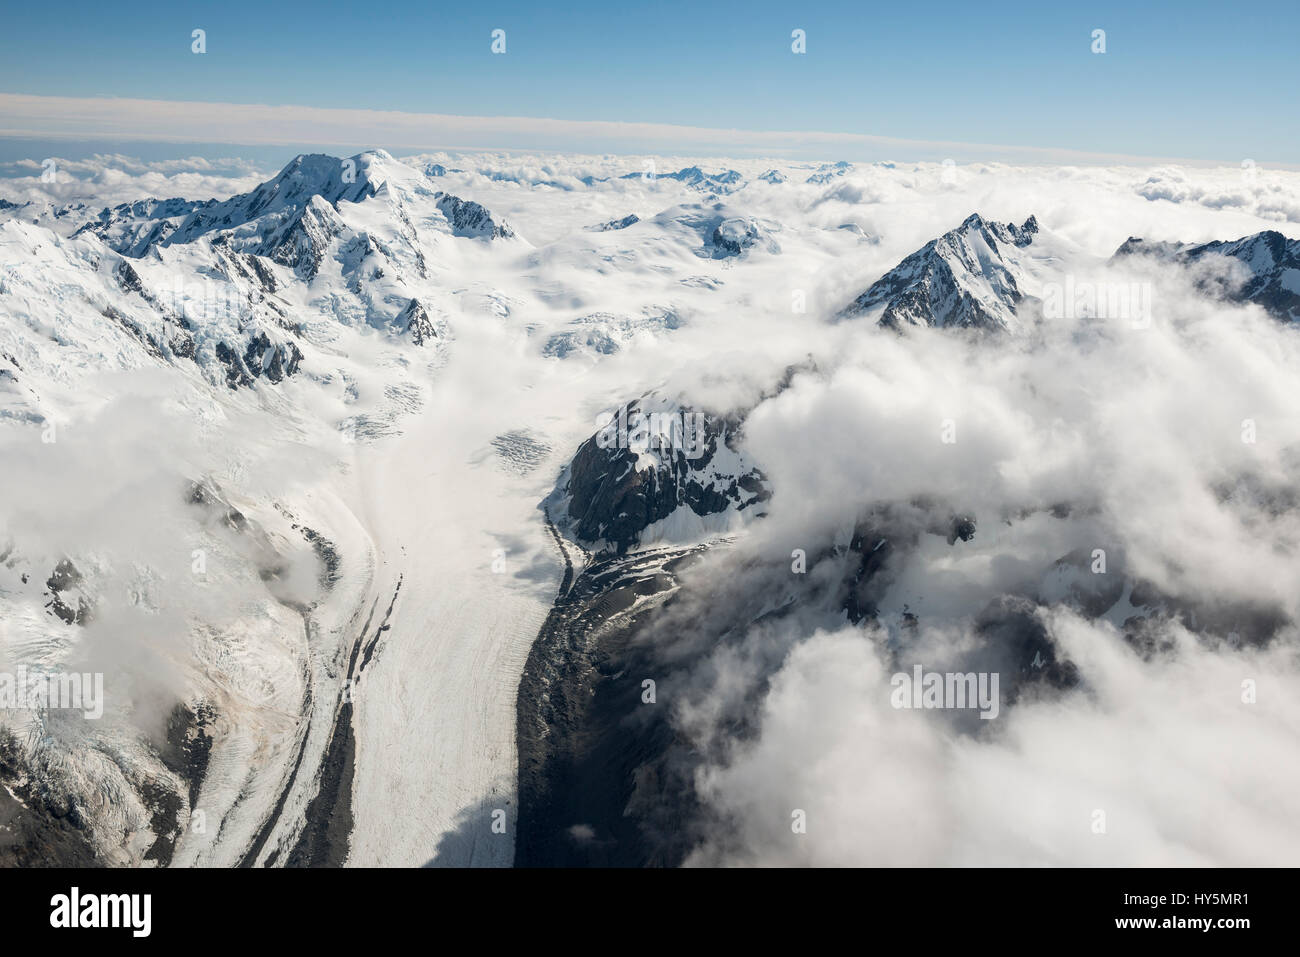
89 118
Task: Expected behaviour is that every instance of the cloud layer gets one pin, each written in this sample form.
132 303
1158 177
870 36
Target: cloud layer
251 124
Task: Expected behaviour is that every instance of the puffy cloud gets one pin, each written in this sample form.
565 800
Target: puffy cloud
1151 763
107 179
1139 432
248 123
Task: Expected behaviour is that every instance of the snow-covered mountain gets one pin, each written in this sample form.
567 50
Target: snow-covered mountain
604 333
278 207
723 231
471 219
235 286
725 181
1263 268
631 219
828 172
305 314
975 276
657 471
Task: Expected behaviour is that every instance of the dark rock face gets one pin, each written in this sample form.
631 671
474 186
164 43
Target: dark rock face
596 786
614 501
151 345
128 278
1089 593
732 237
1012 629
624 223
275 361
884 534
261 359
236 374
867 580
963 527
471 220
65 579
967 278
415 322
609 779
182 345
1267 269
264 275
38 828
301 244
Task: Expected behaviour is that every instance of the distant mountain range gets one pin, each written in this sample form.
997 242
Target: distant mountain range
1263 268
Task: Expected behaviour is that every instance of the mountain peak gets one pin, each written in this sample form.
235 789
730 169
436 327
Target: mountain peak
331 178
971 276
656 471
1267 268
470 219
1021 235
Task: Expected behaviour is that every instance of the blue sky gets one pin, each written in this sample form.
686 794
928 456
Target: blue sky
1192 80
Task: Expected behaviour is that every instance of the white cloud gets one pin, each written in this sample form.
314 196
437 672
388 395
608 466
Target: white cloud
1183 771
251 124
